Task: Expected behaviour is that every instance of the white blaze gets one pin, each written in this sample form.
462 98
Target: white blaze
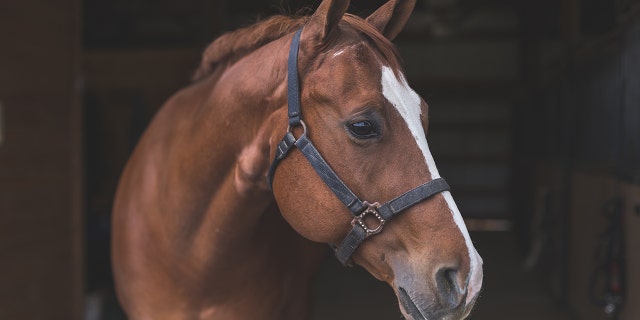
407 102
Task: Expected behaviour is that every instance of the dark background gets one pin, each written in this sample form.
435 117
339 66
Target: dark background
535 122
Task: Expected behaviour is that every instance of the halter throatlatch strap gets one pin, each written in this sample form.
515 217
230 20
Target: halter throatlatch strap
358 208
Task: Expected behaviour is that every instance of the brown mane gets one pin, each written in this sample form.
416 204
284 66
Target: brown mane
234 45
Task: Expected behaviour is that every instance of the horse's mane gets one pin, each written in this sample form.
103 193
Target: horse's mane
234 45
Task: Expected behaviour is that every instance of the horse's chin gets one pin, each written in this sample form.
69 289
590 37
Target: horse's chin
413 309
470 304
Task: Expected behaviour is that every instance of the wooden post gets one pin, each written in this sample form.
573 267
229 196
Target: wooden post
570 29
41 229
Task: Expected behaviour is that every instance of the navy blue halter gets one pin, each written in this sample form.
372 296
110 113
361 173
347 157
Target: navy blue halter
359 209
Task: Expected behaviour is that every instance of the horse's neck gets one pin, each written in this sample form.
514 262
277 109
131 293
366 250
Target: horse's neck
218 162
240 224
193 215
244 108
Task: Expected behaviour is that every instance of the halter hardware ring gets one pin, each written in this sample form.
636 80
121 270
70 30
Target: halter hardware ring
372 209
304 128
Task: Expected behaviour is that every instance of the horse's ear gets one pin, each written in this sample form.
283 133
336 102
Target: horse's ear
325 19
391 17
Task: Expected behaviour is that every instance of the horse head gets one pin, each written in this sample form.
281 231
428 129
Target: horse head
369 127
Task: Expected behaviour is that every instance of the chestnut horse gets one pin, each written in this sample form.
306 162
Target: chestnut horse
207 225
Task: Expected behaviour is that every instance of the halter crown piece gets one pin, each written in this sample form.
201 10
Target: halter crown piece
358 208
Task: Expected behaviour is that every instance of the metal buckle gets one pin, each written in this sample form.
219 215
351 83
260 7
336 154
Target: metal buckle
372 208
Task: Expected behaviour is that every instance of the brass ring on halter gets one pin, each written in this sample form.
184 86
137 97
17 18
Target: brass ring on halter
372 209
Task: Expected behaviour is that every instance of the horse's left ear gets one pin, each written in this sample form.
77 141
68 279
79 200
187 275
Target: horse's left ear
325 20
391 17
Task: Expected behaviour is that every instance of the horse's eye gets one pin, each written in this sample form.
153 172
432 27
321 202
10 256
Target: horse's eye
363 129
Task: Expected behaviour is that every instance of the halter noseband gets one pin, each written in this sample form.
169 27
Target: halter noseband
360 209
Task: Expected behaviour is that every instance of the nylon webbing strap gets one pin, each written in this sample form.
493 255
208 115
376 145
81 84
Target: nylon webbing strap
281 151
350 243
329 176
293 83
412 197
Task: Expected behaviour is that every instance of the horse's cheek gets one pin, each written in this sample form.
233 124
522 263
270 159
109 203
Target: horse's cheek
313 218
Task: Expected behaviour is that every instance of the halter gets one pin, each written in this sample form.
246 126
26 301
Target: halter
358 208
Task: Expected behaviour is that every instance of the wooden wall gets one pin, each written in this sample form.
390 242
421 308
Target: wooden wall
41 271
593 200
631 193
582 114
466 68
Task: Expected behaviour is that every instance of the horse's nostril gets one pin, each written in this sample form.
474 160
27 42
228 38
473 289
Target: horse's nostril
451 288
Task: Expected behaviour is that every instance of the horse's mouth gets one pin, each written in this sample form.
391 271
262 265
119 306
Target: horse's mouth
416 313
409 306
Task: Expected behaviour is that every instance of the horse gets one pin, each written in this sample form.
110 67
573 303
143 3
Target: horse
217 216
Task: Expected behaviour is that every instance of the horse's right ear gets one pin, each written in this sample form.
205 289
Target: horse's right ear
391 17
324 21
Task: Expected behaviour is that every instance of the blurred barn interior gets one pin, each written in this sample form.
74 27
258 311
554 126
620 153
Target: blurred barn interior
535 122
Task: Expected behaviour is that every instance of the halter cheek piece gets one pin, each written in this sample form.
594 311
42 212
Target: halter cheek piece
360 209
